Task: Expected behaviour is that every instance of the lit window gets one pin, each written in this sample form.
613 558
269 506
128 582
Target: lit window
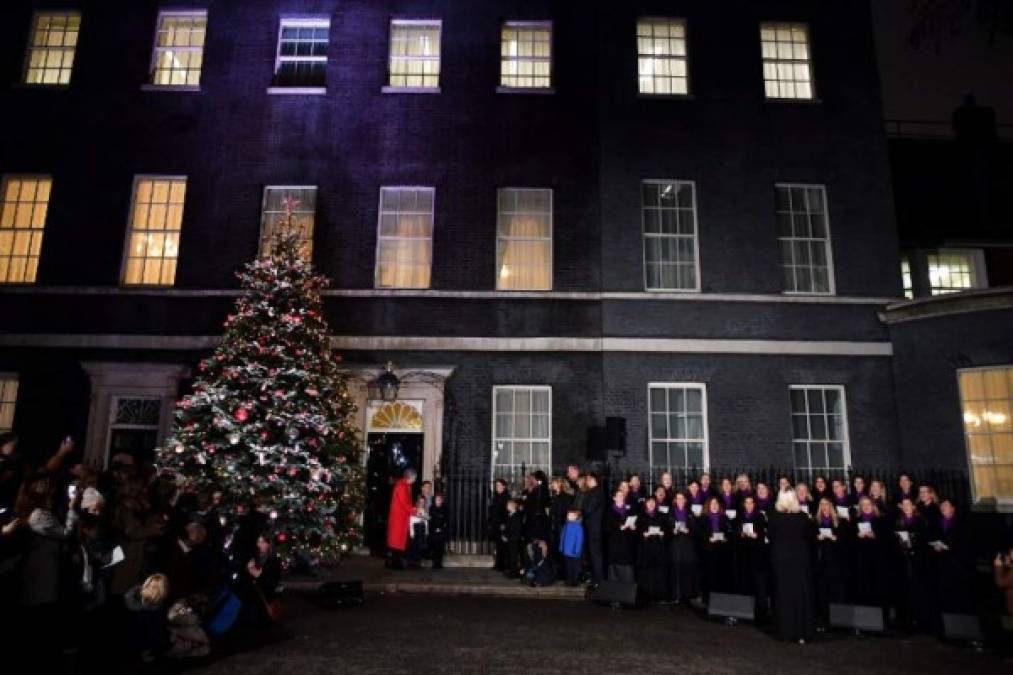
678 426
661 56
819 429
670 254
22 222
8 400
404 247
179 49
51 46
302 53
304 206
954 270
522 430
526 55
986 396
414 55
524 240
153 237
787 68
905 276
804 233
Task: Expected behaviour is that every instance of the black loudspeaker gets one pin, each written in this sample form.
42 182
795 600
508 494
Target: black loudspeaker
857 617
962 628
335 594
732 605
615 434
615 593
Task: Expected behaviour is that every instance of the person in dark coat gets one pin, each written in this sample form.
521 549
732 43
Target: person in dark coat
636 494
751 555
560 501
696 498
729 499
832 563
790 533
859 490
512 539
496 523
908 562
263 576
841 501
439 521
620 537
949 549
653 530
928 506
716 556
805 499
764 501
593 512
147 622
666 482
905 490
684 562
706 487
871 541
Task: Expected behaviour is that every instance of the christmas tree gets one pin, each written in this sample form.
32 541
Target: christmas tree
269 419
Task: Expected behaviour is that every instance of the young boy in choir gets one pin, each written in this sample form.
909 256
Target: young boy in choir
438 521
512 538
418 533
571 545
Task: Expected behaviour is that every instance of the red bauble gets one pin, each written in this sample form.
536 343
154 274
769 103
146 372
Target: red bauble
241 414
282 537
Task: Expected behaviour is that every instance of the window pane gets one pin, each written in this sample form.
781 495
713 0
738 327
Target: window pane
987 401
404 238
302 53
784 49
51 45
669 215
661 56
151 254
277 200
526 55
414 55
22 222
522 429
671 426
818 416
524 239
179 48
804 238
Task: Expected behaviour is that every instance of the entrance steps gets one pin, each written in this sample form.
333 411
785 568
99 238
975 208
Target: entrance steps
461 575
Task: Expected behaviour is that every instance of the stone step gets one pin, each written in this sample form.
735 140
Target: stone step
513 590
468 561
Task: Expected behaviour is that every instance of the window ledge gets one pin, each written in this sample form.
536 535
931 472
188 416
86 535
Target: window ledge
305 91
666 97
171 87
818 294
791 101
688 291
410 90
41 86
525 90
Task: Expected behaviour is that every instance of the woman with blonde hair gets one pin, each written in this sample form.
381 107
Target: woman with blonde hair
149 628
790 534
831 563
805 500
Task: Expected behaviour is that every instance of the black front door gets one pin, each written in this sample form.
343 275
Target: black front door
389 456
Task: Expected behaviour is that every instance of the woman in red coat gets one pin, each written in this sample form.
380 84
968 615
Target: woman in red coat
397 520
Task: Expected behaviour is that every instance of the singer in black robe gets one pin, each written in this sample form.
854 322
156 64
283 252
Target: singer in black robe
908 569
871 559
752 556
953 566
791 534
716 555
832 561
653 530
619 542
684 562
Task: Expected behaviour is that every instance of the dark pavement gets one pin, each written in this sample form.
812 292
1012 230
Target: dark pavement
433 634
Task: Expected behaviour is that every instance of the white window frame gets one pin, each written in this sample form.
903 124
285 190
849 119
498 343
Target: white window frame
388 88
130 230
299 22
831 276
976 256
664 57
5 380
5 180
530 439
645 235
845 441
31 47
906 278
551 238
379 237
702 388
155 48
263 240
777 60
511 89
1005 502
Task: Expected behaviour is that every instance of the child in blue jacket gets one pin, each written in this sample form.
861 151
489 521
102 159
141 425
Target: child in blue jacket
571 545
